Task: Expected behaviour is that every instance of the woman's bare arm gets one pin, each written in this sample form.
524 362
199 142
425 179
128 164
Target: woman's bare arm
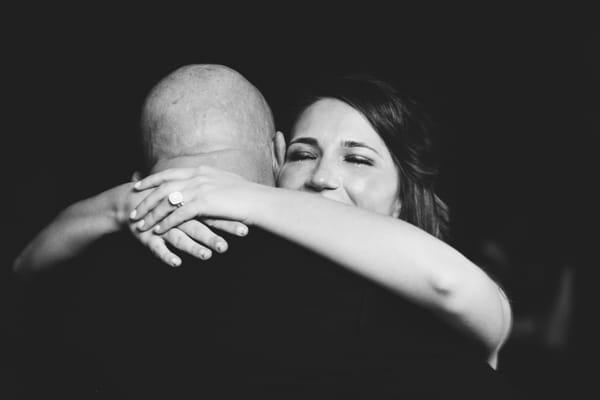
394 253
88 220
71 232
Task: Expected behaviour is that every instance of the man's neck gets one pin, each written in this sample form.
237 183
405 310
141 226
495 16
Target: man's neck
236 160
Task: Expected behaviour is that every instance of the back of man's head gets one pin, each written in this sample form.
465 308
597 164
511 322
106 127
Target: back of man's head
212 115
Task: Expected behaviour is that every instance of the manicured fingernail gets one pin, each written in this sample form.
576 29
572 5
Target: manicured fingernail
175 262
140 224
137 184
242 231
157 229
133 214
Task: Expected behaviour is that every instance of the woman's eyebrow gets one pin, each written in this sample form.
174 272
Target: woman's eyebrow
353 143
306 140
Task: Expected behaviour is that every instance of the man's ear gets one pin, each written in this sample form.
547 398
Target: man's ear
278 151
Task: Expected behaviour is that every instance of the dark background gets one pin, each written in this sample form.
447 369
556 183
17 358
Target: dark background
514 94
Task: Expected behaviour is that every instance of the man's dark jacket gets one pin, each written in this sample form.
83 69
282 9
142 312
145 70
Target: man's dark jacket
267 319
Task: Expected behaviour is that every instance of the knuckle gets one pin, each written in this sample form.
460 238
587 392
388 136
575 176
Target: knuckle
195 231
161 192
167 222
149 219
155 248
202 226
144 239
185 227
161 189
194 228
174 238
141 206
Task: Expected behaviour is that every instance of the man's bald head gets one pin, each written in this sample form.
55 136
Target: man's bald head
208 114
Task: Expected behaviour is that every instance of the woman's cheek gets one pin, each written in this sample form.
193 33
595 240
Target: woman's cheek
372 194
357 190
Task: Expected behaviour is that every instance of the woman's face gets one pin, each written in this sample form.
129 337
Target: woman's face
335 152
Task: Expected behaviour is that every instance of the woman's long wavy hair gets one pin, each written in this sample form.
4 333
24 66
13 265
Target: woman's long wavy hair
405 128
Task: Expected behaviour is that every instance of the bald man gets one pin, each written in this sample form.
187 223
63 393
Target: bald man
197 115
210 114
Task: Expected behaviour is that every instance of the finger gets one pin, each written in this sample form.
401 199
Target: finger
176 218
157 246
233 227
156 215
180 240
202 234
152 200
159 249
161 177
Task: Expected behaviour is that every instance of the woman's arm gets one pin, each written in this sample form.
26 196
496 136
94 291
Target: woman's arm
393 253
86 221
72 231
389 251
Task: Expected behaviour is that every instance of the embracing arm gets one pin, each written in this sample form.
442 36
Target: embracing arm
387 250
87 221
393 253
72 231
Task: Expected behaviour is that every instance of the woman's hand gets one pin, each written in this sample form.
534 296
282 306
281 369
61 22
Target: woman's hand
192 237
187 237
206 192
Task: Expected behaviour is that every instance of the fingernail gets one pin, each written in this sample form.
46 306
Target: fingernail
221 247
242 231
137 184
204 254
175 262
133 214
157 229
140 224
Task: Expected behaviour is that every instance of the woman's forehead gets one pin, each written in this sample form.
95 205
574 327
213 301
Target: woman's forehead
332 122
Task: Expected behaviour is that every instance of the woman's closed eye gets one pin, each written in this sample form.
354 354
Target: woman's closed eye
300 155
357 159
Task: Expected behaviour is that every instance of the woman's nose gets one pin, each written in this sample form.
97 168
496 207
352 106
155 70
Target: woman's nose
323 178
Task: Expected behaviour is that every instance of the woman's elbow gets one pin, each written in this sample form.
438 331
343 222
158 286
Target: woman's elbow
17 265
23 266
476 304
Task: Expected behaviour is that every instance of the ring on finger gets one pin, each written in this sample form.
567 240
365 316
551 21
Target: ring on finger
176 199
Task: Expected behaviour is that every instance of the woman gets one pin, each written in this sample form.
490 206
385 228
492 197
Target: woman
357 188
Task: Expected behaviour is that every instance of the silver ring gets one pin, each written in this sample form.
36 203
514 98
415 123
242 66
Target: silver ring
176 199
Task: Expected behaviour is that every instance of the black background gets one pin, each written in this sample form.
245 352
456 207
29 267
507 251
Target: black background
514 91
